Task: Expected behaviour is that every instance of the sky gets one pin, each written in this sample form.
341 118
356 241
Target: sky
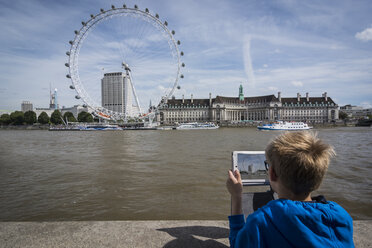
267 46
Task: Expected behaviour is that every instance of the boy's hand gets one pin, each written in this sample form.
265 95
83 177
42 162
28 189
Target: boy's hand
234 184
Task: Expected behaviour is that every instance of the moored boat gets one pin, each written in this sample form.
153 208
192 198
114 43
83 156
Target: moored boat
86 127
196 125
283 125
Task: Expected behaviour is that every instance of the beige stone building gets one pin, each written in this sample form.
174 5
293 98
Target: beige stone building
243 109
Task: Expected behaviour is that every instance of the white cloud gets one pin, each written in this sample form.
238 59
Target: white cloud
365 35
271 88
297 83
248 62
366 104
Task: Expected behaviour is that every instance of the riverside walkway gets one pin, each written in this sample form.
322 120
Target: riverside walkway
129 234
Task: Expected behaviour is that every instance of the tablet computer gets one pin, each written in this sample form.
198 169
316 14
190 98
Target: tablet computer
252 168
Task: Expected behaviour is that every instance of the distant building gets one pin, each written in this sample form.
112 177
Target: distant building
260 108
75 110
48 111
53 100
116 90
355 112
26 106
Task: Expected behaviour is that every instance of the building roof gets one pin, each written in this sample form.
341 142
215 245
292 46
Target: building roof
113 74
313 100
254 99
201 102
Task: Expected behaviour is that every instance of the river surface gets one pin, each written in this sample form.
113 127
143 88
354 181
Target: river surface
154 175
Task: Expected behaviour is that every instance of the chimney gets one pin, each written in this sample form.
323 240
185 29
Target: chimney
210 99
307 96
280 96
298 97
192 99
325 96
183 99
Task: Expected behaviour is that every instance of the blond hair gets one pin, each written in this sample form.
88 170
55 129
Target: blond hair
300 160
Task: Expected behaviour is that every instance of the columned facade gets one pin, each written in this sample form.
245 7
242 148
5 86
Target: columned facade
261 108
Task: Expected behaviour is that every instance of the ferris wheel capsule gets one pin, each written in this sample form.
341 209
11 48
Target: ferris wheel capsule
147 10
76 32
83 23
67 64
68 76
77 97
71 42
102 10
178 42
166 23
112 6
68 53
135 6
182 53
157 16
92 16
124 6
72 87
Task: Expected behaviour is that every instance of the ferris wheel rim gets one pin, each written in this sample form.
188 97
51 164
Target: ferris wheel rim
82 33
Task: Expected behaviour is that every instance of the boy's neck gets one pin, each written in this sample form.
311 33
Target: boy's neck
283 193
295 197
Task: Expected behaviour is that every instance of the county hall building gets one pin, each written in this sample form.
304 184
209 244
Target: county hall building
267 108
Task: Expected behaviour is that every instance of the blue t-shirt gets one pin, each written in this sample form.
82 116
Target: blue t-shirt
287 223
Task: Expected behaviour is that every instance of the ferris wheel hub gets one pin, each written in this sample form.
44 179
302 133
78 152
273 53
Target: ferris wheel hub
125 66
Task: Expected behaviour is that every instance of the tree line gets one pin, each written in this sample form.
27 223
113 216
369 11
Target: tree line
29 118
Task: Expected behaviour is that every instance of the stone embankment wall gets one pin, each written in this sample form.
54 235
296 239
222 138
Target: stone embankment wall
133 234
25 127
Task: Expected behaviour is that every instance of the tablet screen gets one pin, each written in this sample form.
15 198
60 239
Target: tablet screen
250 164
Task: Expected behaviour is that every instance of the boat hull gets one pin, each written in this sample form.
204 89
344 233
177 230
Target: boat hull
197 126
282 129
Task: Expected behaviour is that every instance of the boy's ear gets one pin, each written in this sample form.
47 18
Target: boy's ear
272 174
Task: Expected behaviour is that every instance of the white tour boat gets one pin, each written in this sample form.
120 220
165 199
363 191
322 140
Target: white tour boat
283 125
195 125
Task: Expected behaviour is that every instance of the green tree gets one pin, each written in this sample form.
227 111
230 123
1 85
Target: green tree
85 117
69 117
43 118
30 117
5 119
17 117
56 117
342 115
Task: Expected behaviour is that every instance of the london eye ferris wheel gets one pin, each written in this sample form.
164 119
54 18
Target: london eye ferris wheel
133 43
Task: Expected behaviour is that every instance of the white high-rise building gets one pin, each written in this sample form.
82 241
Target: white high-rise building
117 93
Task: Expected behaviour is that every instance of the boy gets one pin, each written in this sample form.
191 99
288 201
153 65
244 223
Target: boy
297 162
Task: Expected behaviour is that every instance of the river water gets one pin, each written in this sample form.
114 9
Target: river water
154 175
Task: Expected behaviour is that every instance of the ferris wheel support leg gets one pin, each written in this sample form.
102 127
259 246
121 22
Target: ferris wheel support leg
135 94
